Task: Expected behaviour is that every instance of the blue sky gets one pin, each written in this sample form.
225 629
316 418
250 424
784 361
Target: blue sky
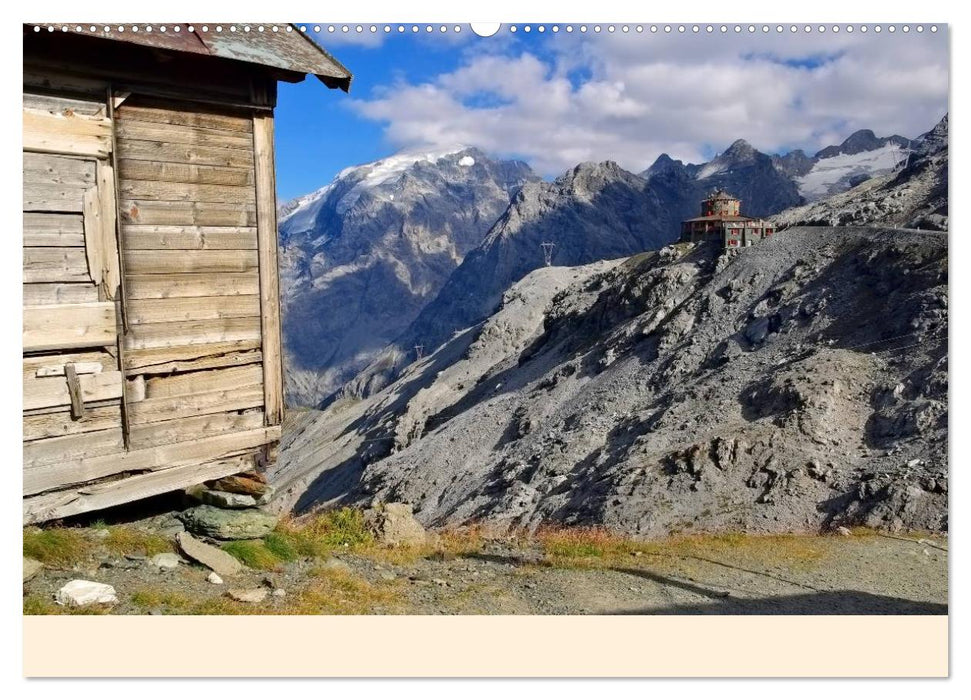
557 99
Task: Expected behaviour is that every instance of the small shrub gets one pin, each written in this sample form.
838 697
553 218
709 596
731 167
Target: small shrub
56 546
339 528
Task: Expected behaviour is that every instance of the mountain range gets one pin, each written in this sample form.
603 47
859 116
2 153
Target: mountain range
392 258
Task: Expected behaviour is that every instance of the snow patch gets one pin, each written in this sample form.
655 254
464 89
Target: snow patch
832 175
466 161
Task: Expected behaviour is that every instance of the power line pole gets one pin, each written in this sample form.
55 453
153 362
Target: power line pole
548 252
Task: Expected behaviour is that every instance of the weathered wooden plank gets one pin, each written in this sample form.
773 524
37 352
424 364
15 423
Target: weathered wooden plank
268 246
133 130
55 265
167 262
50 425
56 104
63 504
53 230
189 117
178 191
38 479
108 246
47 392
192 357
39 453
58 198
189 237
46 169
192 308
93 225
42 77
162 335
143 211
185 153
41 365
55 293
166 408
66 133
191 285
61 370
63 326
184 429
204 381
184 173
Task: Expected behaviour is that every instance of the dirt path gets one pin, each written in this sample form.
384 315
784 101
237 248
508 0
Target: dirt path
859 574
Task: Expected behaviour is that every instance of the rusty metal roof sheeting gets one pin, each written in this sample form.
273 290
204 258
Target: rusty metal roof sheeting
289 50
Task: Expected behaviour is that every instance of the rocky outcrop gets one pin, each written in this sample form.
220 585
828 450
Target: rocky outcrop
797 385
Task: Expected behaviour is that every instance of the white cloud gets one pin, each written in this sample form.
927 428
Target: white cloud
640 95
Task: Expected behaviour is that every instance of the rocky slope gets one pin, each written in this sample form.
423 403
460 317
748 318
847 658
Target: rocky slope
597 211
362 256
914 196
798 384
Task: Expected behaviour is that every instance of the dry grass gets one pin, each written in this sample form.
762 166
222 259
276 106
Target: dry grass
35 604
337 592
59 547
122 540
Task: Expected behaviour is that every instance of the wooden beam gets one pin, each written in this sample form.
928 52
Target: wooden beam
81 470
162 335
169 407
187 117
189 383
64 326
268 245
184 173
55 265
133 130
183 429
111 275
74 391
185 357
56 293
63 504
146 211
57 424
93 226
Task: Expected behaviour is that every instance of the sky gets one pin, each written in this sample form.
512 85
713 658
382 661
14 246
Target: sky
557 99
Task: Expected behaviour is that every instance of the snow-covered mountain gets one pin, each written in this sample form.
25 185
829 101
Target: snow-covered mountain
912 196
361 256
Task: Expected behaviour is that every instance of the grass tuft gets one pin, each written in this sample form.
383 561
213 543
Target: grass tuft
56 546
122 540
254 554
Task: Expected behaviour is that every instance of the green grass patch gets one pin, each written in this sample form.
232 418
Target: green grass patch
343 528
57 546
254 554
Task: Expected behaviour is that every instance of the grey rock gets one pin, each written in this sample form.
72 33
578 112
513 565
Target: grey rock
279 593
221 563
214 578
165 561
226 499
31 568
224 524
248 595
393 524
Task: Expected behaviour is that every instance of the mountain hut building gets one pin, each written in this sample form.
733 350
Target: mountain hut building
151 307
721 220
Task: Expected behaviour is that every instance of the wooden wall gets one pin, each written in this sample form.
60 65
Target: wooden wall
155 365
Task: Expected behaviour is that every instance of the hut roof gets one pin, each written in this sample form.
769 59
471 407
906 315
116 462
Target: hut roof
288 49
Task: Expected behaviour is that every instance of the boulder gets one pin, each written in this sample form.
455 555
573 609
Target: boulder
80 592
226 499
393 524
222 524
248 595
220 562
214 578
31 568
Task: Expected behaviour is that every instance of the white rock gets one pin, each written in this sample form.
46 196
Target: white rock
80 592
165 561
252 595
279 593
844 531
214 578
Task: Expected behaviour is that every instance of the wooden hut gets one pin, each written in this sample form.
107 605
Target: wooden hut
151 318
